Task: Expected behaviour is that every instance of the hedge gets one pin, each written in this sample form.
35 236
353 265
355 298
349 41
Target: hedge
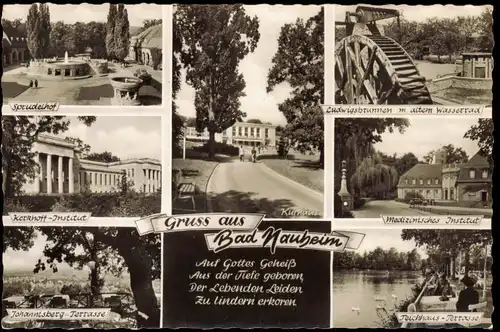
220 148
98 204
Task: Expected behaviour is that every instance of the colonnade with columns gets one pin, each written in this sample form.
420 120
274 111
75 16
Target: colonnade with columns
55 174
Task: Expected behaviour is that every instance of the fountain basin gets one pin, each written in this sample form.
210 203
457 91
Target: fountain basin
126 90
126 83
72 69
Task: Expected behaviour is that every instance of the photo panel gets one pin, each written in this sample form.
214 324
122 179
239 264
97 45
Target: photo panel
414 278
81 169
80 277
82 55
264 274
247 126
420 55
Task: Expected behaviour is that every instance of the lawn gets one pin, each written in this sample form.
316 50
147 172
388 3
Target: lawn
197 170
12 89
301 168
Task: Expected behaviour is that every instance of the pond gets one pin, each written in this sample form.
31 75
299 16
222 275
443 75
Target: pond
358 289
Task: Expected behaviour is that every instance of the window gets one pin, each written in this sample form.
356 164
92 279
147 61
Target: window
95 178
100 179
252 132
413 181
472 174
266 132
406 181
133 172
105 179
240 132
436 193
258 132
428 181
436 181
484 174
421 181
234 131
246 131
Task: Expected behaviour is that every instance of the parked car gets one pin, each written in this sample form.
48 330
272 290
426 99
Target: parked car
417 202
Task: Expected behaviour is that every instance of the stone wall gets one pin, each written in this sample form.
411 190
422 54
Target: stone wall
444 83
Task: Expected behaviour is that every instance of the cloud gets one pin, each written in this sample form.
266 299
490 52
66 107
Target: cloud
255 67
427 134
125 137
86 13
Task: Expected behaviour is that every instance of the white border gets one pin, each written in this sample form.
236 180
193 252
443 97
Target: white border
329 40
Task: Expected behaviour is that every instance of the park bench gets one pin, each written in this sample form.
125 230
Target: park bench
184 190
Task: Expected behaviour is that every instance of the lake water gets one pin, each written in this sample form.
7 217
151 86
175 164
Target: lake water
358 289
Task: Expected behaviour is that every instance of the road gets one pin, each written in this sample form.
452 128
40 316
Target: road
254 188
374 209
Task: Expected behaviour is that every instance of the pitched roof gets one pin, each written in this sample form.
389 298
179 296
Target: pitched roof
17 36
422 171
479 163
151 37
134 30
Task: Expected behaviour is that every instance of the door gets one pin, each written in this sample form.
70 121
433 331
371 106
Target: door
484 196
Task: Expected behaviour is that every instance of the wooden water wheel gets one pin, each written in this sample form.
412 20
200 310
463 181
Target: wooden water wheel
375 69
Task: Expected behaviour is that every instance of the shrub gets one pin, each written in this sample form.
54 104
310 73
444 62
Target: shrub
36 203
411 195
220 148
357 202
110 204
10 205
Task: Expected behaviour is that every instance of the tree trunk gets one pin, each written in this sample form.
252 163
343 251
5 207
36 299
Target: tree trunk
211 144
142 286
466 263
322 157
7 176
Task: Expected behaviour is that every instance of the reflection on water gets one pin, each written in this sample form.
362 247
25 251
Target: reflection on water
354 290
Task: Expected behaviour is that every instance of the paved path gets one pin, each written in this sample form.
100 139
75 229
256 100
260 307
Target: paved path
374 209
253 188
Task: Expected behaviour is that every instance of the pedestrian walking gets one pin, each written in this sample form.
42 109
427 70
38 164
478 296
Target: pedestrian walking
36 84
241 152
31 83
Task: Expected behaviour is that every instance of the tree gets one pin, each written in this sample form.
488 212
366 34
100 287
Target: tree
110 30
146 24
121 250
12 23
19 133
482 133
216 39
121 41
450 241
405 163
455 155
354 139
485 27
374 179
33 31
105 157
177 120
45 29
299 61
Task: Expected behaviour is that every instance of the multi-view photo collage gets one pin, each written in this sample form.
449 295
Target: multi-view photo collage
251 166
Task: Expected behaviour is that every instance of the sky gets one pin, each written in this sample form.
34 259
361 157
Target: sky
258 104
386 239
428 134
123 136
86 13
22 260
419 13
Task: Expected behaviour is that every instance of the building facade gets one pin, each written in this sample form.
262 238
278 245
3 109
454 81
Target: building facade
241 133
145 44
14 45
468 184
61 171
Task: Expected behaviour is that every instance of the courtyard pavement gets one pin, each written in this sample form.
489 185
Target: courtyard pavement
95 90
248 187
374 209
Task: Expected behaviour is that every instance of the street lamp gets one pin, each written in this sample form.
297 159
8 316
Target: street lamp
92 264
